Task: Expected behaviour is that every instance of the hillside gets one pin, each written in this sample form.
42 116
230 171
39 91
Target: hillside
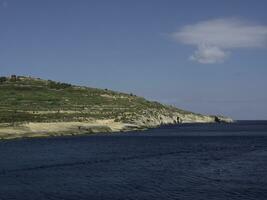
36 107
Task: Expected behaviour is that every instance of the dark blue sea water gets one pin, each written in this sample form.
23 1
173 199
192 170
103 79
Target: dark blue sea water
189 161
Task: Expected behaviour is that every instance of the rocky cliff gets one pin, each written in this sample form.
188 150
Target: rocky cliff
27 103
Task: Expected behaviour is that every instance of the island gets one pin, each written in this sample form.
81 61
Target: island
33 107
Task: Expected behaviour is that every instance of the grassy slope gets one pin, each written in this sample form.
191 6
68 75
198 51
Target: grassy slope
24 99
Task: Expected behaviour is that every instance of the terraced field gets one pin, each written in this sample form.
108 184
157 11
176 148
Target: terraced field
26 99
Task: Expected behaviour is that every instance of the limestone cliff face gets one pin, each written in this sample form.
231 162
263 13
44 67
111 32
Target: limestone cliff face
164 118
223 119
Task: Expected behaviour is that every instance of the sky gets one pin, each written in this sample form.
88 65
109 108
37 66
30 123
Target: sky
205 56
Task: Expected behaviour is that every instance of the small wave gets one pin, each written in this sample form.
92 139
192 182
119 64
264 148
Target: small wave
91 162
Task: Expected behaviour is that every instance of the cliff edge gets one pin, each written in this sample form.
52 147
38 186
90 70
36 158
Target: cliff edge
32 107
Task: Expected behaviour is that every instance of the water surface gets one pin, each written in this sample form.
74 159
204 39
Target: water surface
189 161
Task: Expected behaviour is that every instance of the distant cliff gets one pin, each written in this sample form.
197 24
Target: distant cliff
35 107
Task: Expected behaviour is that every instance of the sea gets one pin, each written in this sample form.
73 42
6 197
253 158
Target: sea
184 161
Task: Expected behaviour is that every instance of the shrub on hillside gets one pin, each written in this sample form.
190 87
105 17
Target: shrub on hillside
58 85
3 79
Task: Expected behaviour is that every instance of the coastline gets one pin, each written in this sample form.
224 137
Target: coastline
51 129
42 129
33 107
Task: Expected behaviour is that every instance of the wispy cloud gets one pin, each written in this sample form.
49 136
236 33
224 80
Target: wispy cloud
214 38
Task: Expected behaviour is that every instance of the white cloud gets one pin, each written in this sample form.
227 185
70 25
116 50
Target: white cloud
209 54
213 38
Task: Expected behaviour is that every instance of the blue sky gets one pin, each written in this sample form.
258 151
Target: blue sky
205 56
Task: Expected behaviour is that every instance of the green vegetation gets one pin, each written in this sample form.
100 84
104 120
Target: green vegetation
26 99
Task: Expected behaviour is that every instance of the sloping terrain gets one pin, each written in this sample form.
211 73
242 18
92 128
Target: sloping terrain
25 100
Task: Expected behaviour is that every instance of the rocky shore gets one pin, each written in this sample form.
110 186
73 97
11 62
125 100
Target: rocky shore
33 107
48 129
